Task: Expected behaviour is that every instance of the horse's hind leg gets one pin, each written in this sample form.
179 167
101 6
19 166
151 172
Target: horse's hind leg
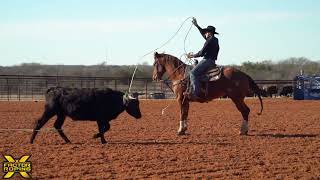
58 126
244 109
48 113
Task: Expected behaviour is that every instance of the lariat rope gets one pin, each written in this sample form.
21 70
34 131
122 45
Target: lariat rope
135 69
188 60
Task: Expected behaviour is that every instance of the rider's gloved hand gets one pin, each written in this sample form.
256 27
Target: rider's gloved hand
190 55
194 21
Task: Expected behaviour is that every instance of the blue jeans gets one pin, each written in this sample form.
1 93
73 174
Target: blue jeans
197 72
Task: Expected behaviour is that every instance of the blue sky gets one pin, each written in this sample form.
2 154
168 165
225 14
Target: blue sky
90 32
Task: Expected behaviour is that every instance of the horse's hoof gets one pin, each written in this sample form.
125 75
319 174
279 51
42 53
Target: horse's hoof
181 133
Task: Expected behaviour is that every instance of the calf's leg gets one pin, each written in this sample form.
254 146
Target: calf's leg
103 127
48 113
58 126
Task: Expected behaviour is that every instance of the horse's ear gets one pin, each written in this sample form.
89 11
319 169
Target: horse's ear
156 54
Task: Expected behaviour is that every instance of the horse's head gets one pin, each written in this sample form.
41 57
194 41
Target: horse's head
158 66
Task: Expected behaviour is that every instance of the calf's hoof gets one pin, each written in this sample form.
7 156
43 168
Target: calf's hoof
96 135
244 133
103 140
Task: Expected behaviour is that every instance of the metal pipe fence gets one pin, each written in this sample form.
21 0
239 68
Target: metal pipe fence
21 88
25 88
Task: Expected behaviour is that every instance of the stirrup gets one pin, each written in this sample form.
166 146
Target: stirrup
192 97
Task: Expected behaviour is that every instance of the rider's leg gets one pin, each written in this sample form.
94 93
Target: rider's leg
196 72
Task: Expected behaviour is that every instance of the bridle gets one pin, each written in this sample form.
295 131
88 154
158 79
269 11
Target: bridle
160 67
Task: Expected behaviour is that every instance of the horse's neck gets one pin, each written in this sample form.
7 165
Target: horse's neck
176 73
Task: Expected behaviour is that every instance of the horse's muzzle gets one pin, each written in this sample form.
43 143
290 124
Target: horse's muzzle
156 78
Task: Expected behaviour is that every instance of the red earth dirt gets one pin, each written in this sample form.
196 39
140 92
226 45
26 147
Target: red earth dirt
284 142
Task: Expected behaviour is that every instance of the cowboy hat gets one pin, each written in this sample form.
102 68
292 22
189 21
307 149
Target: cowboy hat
211 29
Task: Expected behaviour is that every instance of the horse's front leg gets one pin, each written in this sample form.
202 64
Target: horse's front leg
184 110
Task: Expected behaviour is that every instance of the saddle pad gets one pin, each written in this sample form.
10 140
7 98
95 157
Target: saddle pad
214 73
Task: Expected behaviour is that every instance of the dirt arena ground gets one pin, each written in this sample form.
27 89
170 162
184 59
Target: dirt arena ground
284 142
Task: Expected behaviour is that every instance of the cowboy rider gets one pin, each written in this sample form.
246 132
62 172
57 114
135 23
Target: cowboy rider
209 52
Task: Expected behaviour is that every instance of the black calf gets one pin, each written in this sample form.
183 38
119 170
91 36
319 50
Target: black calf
101 105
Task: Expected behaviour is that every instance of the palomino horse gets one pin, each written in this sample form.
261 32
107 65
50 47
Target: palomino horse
233 83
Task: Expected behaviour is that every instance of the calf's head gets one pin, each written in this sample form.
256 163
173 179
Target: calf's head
132 106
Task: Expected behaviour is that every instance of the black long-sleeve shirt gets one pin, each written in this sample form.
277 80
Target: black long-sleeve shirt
210 48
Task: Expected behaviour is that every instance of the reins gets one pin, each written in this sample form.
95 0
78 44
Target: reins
176 69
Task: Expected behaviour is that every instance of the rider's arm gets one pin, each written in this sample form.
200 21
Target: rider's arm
203 50
202 31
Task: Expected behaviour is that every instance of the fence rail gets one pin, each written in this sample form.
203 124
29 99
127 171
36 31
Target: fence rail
19 87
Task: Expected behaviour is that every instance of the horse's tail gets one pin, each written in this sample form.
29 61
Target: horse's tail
255 88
